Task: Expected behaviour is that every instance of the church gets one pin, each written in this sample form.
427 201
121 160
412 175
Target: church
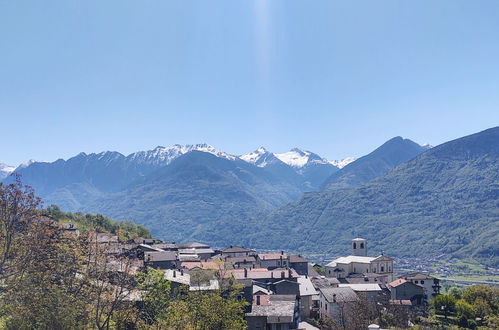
358 264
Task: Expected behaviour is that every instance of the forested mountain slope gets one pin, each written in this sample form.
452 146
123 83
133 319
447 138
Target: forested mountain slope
392 153
199 197
445 201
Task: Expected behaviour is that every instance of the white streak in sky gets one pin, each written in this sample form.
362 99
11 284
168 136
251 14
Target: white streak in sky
262 28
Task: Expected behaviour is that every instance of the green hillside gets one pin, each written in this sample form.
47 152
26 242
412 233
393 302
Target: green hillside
445 201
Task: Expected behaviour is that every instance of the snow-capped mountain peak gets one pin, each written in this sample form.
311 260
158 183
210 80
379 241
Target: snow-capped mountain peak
254 156
26 163
299 158
5 170
165 155
343 162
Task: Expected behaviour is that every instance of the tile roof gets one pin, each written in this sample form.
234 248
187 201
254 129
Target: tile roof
199 264
401 302
397 282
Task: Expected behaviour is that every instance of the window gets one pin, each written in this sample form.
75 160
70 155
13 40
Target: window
258 300
416 281
326 306
361 245
354 245
422 282
382 269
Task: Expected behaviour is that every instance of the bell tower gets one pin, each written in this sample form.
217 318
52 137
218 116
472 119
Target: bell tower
359 247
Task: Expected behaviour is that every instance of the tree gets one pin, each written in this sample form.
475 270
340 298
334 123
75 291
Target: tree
18 208
207 310
46 292
155 292
484 299
443 304
464 313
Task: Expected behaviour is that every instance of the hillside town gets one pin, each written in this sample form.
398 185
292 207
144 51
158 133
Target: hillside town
282 290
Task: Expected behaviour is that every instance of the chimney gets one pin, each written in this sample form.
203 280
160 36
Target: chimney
245 272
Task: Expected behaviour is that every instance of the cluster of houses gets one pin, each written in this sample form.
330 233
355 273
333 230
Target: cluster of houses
282 290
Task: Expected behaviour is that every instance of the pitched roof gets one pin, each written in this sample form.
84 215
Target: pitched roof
297 258
279 309
160 256
397 282
419 276
245 259
177 276
306 286
363 287
401 302
263 273
192 245
349 260
338 294
236 249
272 256
199 264
257 288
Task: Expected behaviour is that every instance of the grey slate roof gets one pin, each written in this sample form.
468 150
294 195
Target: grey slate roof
280 309
160 256
338 295
236 249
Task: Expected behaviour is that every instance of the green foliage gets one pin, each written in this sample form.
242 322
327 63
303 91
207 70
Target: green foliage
443 304
155 291
199 311
455 292
464 311
124 229
484 299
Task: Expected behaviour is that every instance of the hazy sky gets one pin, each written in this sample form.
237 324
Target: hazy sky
337 78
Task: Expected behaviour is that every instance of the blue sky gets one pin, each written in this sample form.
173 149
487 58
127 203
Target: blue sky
337 78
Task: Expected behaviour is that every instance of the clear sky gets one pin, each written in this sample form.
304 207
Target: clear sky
335 77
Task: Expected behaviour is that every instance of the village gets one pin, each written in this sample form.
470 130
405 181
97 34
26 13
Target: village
282 291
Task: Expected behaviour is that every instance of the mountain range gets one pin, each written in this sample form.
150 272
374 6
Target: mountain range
405 198
76 182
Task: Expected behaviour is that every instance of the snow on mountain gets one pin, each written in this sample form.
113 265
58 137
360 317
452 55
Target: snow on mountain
299 158
26 163
343 162
296 158
254 156
165 155
5 170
